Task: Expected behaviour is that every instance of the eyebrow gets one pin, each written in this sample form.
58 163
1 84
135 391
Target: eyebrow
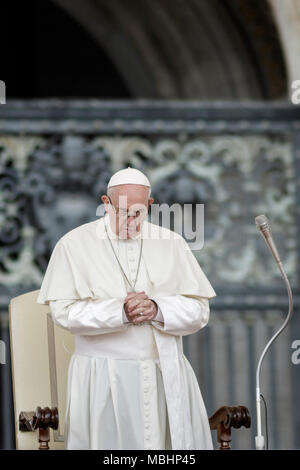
123 208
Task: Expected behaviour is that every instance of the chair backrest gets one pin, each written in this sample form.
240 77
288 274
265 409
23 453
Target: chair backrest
40 355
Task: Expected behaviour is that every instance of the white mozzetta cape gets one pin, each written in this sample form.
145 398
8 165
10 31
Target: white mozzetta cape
83 267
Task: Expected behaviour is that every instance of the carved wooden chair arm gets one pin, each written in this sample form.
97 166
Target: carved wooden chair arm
227 417
42 419
222 420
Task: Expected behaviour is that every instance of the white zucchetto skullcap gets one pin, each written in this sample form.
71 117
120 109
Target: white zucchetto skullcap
128 176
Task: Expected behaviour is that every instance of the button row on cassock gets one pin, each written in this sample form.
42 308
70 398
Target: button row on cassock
146 406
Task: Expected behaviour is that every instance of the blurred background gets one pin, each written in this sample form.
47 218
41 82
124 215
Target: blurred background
196 94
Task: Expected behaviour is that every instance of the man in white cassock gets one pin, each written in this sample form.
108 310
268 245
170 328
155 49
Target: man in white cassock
129 290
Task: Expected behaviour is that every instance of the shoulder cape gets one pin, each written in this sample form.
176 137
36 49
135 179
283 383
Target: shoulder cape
82 266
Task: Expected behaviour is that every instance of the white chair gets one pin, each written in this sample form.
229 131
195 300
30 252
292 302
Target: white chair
40 355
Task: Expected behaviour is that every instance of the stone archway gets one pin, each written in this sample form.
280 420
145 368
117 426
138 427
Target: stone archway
191 50
287 16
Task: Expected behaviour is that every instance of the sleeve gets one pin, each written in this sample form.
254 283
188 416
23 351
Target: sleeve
182 315
125 319
88 317
159 317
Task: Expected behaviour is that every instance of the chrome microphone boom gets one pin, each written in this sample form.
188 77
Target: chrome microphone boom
262 224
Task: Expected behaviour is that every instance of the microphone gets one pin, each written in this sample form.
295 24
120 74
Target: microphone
262 224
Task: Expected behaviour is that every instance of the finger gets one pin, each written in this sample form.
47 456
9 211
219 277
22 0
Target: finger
130 296
142 318
136 313
133 294
150 313
136 303
140 308
136 297
134 318
143 304
147 312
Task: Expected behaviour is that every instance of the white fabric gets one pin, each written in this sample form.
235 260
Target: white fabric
82 265
115 397
128 176
85 282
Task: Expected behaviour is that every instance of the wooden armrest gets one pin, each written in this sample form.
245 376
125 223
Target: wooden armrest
227 417
42 419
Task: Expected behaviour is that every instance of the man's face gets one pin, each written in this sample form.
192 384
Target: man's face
128 209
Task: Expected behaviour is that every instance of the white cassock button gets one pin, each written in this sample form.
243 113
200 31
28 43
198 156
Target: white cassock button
146 377
146 402
131 259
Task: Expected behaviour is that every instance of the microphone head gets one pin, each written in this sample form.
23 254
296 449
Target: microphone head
262 222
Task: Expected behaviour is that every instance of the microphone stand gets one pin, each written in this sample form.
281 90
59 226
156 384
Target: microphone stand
259 438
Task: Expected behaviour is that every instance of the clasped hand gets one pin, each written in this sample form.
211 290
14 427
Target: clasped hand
136 302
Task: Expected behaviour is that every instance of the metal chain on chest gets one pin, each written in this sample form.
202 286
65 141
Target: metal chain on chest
140 256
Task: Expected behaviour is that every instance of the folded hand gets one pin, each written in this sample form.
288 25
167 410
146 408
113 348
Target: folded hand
137 302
